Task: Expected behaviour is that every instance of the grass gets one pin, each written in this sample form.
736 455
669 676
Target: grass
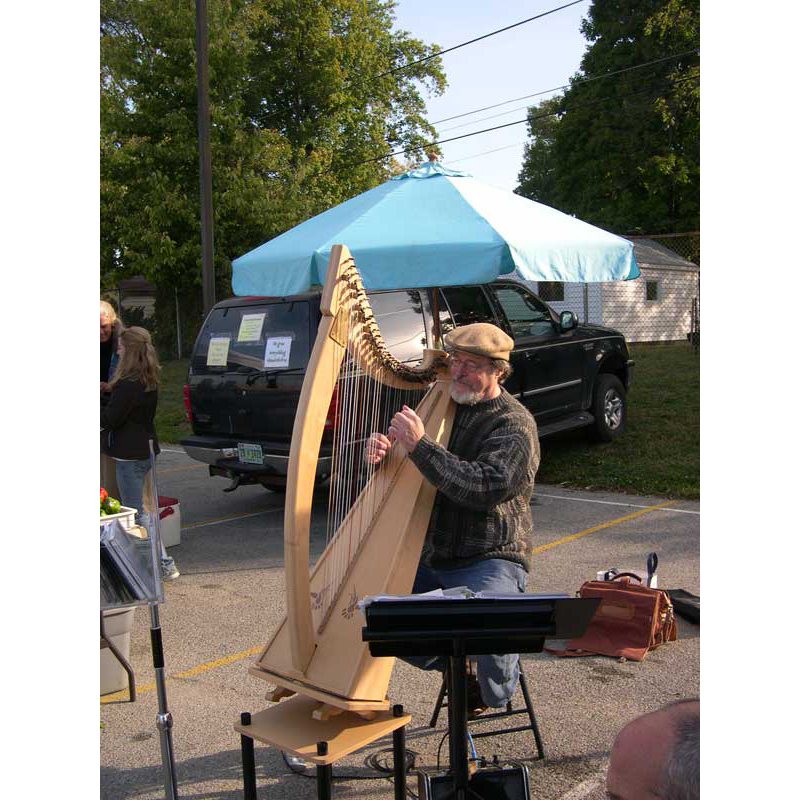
660 451
171 422
659 454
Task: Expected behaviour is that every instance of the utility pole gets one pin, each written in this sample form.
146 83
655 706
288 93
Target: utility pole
203 125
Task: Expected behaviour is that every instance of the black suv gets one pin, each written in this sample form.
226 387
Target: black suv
249 361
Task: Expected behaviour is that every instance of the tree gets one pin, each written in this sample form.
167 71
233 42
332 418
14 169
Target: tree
623 152
537 177
297 96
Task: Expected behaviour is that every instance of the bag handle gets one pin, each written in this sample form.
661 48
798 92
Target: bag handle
626 575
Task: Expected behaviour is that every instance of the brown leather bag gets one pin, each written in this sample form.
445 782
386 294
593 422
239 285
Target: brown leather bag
630 620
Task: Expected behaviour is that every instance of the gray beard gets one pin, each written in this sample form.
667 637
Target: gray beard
464 397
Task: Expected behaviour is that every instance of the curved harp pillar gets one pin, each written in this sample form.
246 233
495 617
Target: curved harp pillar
317 649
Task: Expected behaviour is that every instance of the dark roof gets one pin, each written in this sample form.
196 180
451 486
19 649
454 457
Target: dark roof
650 253
137 284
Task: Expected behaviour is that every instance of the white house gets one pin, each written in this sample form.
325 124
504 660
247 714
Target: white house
655 307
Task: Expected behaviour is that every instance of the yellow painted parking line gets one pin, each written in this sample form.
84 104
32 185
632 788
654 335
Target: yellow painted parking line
229 518
200 668
596 528
221 662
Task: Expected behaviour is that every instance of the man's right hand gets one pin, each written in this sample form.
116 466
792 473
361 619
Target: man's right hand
377 447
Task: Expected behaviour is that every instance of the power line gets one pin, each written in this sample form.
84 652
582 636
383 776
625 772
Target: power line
568 85
485 152
477 39
265 116
509 124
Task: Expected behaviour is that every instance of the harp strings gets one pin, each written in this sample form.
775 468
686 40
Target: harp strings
364 404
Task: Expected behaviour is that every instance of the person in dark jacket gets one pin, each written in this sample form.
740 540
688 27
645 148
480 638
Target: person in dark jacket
110 329
480 530
127 424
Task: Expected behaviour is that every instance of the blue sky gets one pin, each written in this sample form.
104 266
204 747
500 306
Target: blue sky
530 58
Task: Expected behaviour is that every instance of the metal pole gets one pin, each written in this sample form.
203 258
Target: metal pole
163 718
203 126
178 321
586 302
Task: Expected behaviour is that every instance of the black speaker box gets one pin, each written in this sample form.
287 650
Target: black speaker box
495 783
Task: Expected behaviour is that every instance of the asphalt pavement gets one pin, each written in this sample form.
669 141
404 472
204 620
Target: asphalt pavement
217 616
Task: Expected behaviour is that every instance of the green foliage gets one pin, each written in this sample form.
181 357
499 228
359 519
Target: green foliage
294 101
624 151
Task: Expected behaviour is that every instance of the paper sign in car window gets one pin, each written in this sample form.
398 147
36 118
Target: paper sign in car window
218 351
277 352
250 327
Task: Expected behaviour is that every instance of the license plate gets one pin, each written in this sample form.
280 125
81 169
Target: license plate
250 453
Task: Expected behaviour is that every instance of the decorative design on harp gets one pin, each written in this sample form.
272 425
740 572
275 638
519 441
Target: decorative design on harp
377 517
352 605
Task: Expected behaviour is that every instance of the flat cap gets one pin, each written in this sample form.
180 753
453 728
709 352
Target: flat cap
481 339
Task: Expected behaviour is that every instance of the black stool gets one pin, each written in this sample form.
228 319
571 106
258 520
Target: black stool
533 726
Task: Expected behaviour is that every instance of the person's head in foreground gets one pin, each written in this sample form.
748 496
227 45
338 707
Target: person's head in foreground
657 756
479 361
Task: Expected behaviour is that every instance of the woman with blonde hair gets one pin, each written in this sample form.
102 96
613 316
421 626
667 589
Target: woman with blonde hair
128 423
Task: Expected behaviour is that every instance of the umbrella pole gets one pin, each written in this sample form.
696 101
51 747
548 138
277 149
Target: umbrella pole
437 332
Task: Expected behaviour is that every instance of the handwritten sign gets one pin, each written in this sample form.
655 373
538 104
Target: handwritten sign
218 352
250 327
277 352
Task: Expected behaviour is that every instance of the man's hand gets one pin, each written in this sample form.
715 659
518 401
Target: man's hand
103 386
377 447
407 428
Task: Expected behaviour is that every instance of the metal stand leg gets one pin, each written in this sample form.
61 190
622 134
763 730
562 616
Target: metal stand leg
399 756
324 774
439 700
248 762
523 685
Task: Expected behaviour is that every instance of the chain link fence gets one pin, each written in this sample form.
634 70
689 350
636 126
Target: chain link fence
172 317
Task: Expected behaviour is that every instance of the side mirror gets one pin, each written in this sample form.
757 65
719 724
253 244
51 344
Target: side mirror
568 320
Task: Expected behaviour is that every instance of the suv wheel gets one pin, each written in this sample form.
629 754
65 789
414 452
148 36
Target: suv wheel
610 407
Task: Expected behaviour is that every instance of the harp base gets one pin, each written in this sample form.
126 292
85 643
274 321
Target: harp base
289 727
320 695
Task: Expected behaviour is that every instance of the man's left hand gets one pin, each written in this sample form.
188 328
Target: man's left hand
407 428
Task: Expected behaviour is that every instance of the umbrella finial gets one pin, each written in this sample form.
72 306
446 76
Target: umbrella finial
433 153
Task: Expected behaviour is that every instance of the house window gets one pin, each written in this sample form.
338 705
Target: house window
652 290
551 291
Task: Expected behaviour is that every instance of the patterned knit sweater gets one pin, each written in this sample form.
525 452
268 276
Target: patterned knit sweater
485 482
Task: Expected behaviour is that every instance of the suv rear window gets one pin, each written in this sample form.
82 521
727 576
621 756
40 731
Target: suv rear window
273 335
400 321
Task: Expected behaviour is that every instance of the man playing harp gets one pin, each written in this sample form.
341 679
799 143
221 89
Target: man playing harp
480 529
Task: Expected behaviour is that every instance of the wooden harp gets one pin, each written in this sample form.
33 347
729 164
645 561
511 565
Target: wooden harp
375 545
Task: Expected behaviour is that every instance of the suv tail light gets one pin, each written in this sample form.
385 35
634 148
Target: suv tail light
332 418
187 402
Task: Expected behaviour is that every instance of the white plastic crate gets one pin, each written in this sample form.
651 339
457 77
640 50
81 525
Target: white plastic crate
127 516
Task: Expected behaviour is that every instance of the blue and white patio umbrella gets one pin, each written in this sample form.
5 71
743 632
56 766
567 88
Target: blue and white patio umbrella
436 226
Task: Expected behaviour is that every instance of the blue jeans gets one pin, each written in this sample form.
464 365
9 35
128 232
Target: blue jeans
497 674
130 480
